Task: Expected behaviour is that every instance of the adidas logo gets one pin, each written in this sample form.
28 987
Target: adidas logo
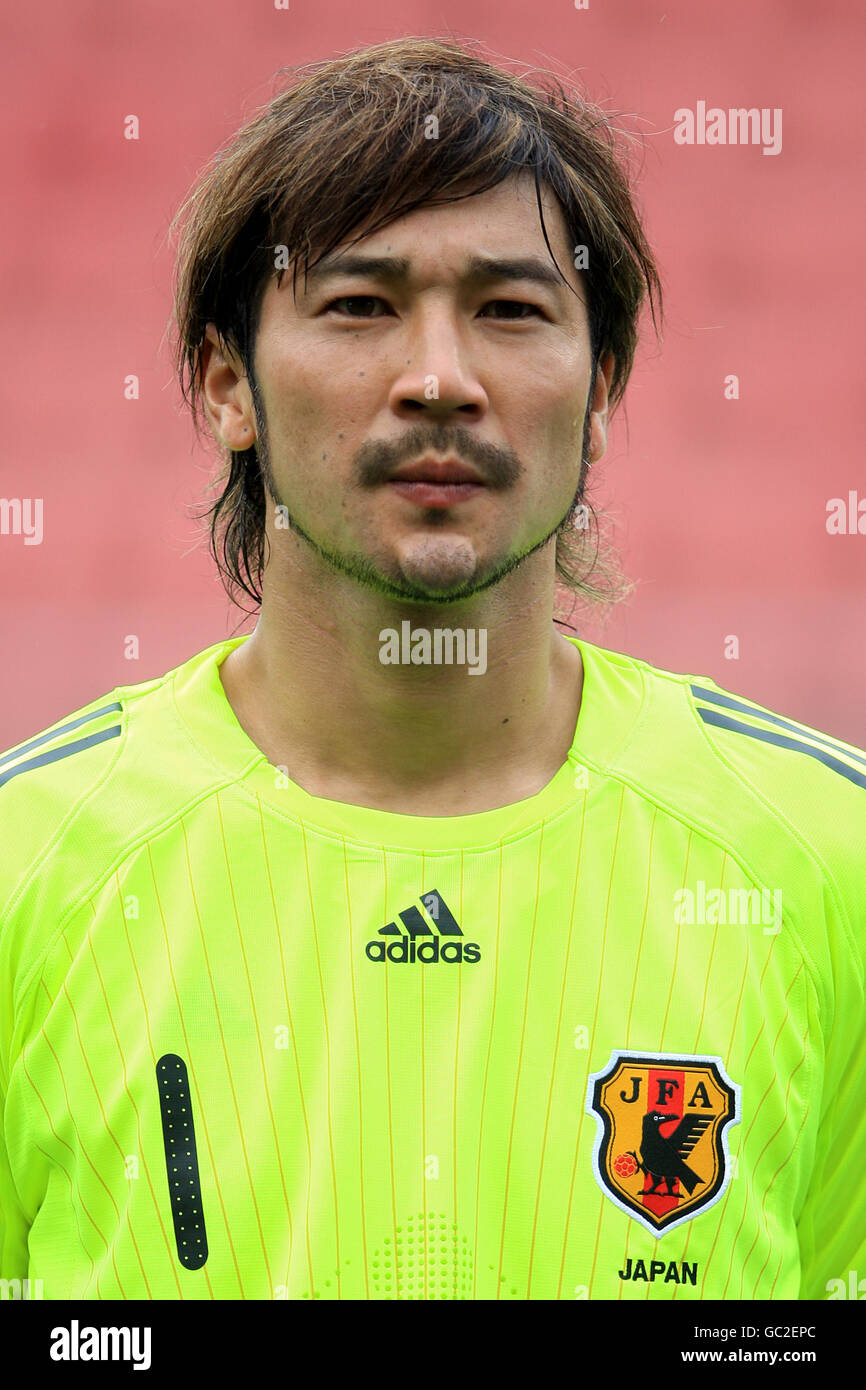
411 948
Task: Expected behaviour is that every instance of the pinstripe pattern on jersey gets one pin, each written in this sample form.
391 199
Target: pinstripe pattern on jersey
778 1170
769 1088
602 1200
206 1128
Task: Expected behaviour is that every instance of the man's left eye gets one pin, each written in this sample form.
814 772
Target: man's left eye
514 304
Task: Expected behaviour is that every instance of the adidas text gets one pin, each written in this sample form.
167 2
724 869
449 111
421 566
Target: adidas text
419 941
406 951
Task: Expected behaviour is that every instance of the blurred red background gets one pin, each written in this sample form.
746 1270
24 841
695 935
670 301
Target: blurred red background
720 506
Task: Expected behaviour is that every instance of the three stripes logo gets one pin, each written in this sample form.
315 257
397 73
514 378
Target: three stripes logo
14 762
417 940
719 710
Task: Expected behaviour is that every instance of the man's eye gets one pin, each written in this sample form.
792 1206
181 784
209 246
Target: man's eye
514 304
364 300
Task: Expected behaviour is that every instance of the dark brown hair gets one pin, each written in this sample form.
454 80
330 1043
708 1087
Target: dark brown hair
346 146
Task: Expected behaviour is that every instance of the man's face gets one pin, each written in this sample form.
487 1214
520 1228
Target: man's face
440 358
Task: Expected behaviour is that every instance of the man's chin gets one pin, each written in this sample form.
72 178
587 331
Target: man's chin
447 575
437 566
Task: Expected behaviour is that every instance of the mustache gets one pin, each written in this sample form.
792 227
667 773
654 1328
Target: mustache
376 460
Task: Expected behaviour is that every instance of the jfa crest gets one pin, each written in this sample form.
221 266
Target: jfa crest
661 1152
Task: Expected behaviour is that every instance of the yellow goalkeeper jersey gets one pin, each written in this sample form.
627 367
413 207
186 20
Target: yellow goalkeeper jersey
606 1042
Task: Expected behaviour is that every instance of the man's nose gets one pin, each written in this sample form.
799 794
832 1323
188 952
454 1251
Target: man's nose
438 373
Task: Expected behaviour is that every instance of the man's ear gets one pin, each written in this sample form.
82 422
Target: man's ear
599 405
225 393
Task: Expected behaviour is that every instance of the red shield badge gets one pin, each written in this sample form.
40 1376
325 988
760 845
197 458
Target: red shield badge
661 1152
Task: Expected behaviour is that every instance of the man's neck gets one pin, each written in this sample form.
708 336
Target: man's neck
310 689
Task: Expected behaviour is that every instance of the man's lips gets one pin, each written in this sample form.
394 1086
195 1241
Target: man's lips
436 471
436 483
428 494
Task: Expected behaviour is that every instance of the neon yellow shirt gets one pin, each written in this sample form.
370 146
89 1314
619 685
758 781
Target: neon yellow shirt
605 1042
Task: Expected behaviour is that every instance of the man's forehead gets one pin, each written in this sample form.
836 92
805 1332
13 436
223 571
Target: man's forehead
492 233
514 197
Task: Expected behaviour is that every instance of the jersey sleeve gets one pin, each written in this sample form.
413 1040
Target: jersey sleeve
832 1224
13 1224
813 843
42 782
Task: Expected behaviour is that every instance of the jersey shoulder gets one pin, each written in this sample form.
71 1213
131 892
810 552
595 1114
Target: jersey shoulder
78 795
788 800
806 778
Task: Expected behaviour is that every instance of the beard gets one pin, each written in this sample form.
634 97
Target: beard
429 569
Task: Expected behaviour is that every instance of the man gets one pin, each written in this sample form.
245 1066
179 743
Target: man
407 948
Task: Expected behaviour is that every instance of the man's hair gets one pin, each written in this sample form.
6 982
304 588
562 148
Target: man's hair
348 145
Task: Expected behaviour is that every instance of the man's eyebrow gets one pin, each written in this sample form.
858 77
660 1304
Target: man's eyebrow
479 270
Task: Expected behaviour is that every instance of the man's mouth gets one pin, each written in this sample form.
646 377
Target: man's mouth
436 483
